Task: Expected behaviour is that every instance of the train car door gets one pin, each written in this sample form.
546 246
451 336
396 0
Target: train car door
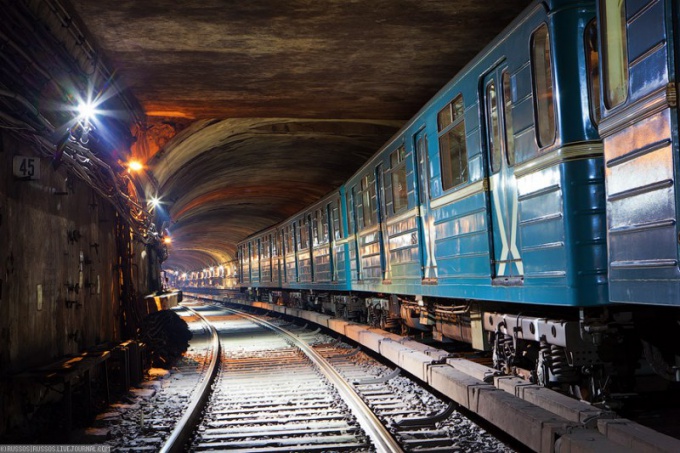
428 260
382 233
507 267
354 229
328 213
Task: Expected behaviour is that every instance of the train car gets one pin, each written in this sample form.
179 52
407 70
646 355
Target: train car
487 218
321 258
324 227
493 191
638 122
489 202
307 255
638 48
265 262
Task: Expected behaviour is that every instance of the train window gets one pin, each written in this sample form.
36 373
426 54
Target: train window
399 188
337 221
368 195
452 147
543 86
614 52
316 229
333 220
593 70
304 234
265 247
444 118
507 116
322 226
323 216
318 220
421 153
289 240
493 128
351 211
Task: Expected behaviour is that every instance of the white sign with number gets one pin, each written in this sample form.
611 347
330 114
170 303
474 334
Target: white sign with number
26 167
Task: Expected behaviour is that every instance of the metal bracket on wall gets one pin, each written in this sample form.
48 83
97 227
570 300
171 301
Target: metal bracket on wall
73 236
71 303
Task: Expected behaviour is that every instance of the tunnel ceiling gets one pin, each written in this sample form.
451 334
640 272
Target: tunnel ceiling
257 108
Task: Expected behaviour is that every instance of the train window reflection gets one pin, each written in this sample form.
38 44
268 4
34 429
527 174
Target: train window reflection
323 226
289 240
399 188
304 235
316 229
368 195
507 116
614 52
452 146
335 212
593 70
494 130
543 86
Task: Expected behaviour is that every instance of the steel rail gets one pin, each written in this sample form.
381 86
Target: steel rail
381 437
192 414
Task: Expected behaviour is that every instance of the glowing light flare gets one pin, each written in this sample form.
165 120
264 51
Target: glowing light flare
167 240
135 165
87 110
154 202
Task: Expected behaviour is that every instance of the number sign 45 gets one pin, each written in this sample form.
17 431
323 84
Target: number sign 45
26 167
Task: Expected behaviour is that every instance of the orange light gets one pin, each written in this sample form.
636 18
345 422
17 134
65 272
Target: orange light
135 165
167 240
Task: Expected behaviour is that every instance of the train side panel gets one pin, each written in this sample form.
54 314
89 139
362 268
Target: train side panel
512 227
490 192
328 247
640 130
268 261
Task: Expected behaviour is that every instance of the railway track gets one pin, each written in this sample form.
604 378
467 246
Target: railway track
536 417
271 397
284 388
162 411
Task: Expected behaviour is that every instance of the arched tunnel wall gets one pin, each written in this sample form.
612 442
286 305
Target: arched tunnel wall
71 275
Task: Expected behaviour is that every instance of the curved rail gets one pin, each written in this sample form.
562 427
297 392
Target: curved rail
184 428
381 437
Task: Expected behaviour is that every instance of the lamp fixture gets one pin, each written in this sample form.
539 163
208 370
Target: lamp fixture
135 165
86 111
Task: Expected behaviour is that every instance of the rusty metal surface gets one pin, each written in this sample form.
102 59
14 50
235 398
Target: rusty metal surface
258 108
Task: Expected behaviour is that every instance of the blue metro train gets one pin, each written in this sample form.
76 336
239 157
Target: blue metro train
529 208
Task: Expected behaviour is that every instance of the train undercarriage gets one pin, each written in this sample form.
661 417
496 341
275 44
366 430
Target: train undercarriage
600 355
